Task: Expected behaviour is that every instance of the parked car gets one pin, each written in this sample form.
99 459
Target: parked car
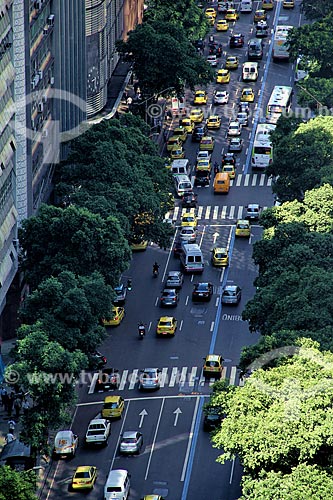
65 444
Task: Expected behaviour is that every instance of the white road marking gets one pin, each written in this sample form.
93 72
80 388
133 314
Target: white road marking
93 383
123 380
215 213
154 439
173 378
133 379
233 375
187 455
163 377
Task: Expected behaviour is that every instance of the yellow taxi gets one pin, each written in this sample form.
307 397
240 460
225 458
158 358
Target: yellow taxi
196 115
223 76
213 121
222 25
187 124
230 170
267 4
232 62
152 497
210 20
207 143
139 245
117 315
113 407
231 15
247 95
200 97
177 153
203 164
210 12
260 15
181 133
212 366
167 163
166 326
173 142
288 4
189 219
243 228
220 257
84 478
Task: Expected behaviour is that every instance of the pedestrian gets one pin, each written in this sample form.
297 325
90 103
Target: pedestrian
10 437
17 407
25 406
129 101
10 404
5 399
11 425
3 393
216 168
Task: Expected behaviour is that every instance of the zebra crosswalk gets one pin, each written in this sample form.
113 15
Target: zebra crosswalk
212 213
181 378
250 180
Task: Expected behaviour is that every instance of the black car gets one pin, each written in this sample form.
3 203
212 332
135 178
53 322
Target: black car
177 247
202 291
228 159
96 360
244 107
202 178
199 132
108 378
169 297
261 32
235 145
199 44
189 200
120 292
236 40
212 420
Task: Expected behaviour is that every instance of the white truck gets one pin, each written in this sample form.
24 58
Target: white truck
246 6
98 432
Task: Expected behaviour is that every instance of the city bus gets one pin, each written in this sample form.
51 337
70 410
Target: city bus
279 103
280 47
262 151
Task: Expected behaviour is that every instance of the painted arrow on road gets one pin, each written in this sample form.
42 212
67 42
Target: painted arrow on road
215 235
176 414
142 414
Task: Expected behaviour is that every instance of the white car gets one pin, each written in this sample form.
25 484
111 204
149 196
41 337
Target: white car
203 155
243 118
98 432
234 129
221 97
188 234
212 60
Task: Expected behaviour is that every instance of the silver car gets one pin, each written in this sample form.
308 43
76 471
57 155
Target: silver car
149 379
174 280
232 294
253 211
131 442
188 234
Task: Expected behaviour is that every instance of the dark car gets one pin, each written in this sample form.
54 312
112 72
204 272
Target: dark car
235 145
228 159
202 178
212 420
261 32
202 291
199 44
169 298
244 107
199 132
232 294
121 291
108 378
236 40
189 200
96 360
177 247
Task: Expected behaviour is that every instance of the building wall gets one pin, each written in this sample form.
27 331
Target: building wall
133 13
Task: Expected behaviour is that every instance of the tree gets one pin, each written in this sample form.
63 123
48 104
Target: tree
304 482
129 179
69 309
184 13
48 373
163 58
318 9
317 93
282 417
72 239
17 485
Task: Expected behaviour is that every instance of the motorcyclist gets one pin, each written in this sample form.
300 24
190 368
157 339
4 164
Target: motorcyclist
142 329
216 168
155 268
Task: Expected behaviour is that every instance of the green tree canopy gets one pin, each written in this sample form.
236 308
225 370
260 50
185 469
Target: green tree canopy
282 417
17 485
317 9
69 309
163 58
129 179
72 239
305 482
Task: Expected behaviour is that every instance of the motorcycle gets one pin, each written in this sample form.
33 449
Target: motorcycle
155 272
142 331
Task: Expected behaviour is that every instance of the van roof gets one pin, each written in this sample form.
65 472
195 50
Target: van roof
182 177
221 175
117 476
180 163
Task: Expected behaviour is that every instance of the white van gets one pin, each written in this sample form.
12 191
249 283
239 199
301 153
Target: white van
182 184
250 72
180 167
246 6
117 486
191 258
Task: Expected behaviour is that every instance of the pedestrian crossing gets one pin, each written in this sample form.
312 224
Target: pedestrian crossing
212 213
180 378
250 180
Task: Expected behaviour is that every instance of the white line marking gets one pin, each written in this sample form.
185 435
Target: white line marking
232 211
240 213
200 209
247 179
174 374
133 378
187 455
262 180
207 212
254 179
93 383
239 180
233 375
224 212
182 379
154 440
212 326
163 378
215 213
123 380
192 376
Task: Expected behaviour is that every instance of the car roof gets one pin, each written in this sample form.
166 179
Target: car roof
64 434
117 476
253 205
213 357
130 434
95 421
166 318
150 369
83 468
119 287
112 399
220 249
174 273
242 221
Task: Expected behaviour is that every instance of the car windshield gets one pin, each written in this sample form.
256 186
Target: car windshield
111 406
212 364
202 286
242 226
128 440
150 374
229 293
82 475
165 323
221 255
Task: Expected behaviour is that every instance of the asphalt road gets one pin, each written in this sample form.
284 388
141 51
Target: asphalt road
177 460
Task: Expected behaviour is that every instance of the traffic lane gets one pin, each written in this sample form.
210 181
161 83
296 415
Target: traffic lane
62 471
166 426
210 479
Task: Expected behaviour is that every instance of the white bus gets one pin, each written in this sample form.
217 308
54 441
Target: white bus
279 103
262 151
280 49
